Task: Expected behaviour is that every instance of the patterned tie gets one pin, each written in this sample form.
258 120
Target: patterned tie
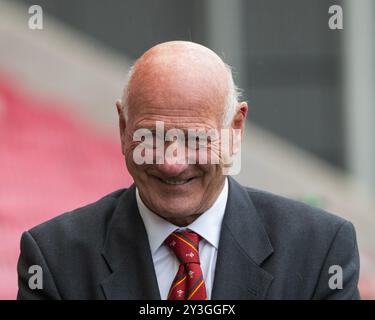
188 283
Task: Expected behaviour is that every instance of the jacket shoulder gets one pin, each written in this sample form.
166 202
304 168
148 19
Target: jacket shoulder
89 220
294 219
306 242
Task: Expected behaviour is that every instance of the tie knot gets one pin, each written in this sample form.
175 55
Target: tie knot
185 245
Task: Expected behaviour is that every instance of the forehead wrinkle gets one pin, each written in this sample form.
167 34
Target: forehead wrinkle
159 110
175 123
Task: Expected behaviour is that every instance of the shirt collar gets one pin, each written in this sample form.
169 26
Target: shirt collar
207 225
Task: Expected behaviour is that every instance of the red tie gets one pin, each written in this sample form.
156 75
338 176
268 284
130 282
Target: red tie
188 283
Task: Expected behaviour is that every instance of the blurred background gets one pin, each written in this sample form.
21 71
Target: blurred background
310 89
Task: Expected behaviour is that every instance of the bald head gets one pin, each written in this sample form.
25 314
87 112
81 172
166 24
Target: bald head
170 72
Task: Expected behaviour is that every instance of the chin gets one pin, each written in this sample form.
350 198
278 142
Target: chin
177 211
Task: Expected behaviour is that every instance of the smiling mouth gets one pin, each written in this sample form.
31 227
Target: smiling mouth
175 181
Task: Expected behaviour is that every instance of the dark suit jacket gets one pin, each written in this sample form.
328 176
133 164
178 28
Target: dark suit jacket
270 248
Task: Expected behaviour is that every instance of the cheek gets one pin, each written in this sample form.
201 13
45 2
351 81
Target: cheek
210 171
133 168
129 146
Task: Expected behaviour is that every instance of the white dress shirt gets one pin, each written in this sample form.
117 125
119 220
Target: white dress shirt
207 225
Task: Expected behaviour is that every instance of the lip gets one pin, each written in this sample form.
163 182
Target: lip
180 186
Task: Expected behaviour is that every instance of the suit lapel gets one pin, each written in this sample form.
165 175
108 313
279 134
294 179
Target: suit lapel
243 246
127 253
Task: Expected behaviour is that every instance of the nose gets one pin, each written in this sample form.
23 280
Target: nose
172 166
171 170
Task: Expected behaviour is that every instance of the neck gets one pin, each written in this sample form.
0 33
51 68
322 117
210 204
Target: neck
184 221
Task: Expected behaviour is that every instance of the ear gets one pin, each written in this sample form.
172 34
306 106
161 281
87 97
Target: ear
122 124
239 119
121 116
238 126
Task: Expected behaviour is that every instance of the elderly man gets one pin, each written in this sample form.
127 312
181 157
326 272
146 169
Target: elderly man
185 230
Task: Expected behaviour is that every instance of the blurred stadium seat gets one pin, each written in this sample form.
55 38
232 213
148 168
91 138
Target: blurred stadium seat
50 162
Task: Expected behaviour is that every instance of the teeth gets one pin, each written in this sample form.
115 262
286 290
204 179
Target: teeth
175 181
